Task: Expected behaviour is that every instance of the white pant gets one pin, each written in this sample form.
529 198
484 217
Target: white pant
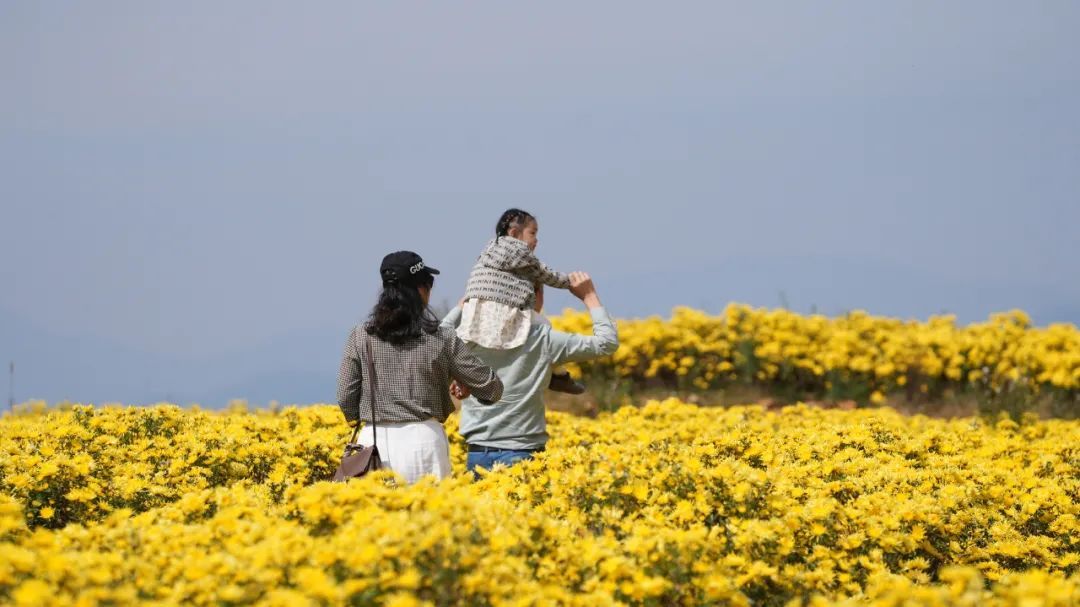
412 449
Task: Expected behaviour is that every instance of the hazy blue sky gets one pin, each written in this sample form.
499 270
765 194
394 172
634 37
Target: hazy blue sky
195 196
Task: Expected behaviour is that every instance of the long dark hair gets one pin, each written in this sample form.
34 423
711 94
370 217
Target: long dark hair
512 218
401 315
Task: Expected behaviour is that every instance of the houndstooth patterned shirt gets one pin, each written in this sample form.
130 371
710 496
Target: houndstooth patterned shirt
412 380
507 272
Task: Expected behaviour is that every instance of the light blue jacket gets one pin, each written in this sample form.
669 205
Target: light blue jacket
517 421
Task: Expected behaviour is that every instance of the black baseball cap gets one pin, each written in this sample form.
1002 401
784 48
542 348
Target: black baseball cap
406 267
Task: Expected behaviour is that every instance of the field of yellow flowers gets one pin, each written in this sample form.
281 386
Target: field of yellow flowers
666 504
856 356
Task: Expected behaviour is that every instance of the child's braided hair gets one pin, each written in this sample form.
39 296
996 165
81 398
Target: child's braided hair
512 218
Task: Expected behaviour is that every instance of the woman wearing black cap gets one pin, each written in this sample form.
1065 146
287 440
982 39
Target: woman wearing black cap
413 362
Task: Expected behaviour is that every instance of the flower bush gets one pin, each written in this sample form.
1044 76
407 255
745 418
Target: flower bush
667 504
855 356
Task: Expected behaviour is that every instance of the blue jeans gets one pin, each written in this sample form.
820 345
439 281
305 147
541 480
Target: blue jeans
488 459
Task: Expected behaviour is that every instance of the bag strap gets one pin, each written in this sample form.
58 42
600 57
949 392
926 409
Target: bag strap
369 359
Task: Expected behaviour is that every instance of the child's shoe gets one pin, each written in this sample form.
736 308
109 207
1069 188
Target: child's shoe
561 381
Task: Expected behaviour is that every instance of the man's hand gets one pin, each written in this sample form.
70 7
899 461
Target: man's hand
458 391
581 285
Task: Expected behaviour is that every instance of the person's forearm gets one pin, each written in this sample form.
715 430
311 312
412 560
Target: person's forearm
592 301
569 347
489 392
556 280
